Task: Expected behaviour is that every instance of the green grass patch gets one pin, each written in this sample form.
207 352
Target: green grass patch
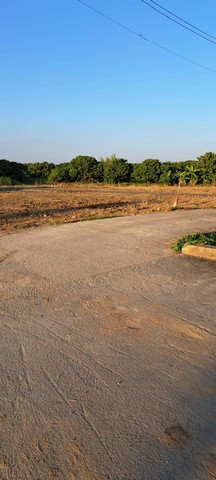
195 239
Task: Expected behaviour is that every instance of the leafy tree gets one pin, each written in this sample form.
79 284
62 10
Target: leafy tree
39 171
116 170
147 172
83 169
54 176
16 171
185 171
168 174
137 173
207 167
112 170
99 172
60 174
130 172
5 168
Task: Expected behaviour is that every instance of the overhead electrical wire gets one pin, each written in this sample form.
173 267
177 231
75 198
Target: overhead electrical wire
178 23
142 37
182 20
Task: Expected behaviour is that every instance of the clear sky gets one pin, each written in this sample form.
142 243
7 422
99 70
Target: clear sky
73 83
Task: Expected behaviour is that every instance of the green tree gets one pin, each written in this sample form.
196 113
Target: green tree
192 174
5 168
147 172
168 174
83 169
60 174
99 172
183 177
207 167
137 173
39 171
16 171
116 170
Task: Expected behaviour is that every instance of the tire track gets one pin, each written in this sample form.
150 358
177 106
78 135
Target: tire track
25 366
56 388
89 422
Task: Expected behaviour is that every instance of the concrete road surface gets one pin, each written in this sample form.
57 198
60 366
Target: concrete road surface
108 352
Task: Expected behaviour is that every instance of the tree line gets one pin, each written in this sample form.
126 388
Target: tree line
111 170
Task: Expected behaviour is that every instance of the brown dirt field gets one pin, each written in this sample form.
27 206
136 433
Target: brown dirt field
32 206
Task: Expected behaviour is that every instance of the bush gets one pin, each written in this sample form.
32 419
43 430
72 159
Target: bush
6 181
195 239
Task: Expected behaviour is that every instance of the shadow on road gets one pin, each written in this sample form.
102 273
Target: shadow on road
185 447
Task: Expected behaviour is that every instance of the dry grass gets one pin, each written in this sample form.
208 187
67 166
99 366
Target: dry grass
23 207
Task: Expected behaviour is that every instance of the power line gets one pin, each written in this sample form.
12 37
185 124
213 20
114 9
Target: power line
142 37
185 21
178 23
108 18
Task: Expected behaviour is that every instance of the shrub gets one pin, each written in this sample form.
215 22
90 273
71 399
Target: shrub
195 239
6 181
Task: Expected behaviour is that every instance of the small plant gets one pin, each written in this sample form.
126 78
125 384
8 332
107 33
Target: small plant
194 239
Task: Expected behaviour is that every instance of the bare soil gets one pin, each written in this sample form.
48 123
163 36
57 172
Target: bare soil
32 206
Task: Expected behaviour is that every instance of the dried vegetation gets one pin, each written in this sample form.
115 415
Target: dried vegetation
29 206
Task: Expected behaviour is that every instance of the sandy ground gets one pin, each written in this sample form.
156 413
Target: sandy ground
29 206
108 352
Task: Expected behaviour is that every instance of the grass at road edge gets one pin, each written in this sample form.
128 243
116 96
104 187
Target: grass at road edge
195 239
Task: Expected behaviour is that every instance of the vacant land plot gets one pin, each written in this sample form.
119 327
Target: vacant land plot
28 206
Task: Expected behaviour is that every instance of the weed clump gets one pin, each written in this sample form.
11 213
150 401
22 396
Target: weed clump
195 239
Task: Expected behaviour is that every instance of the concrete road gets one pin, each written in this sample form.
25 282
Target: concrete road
108 352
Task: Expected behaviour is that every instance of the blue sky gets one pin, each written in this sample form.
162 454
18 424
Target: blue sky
74 83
